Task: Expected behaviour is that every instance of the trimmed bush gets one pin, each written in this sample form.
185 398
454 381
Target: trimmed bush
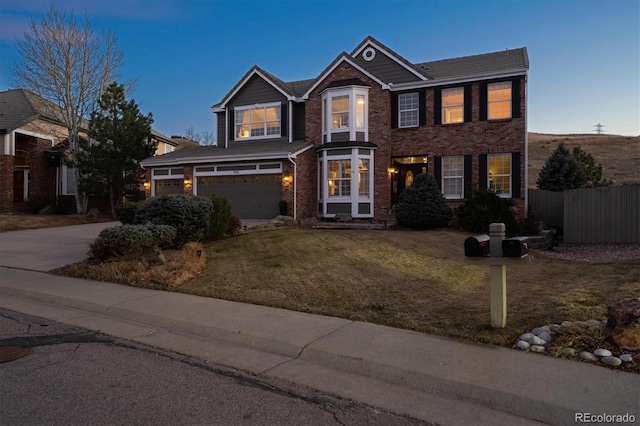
422 205
127 211
131 240
221 216
484 208
190 215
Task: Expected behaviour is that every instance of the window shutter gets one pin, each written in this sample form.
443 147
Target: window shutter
437 171
394 110
515 175
483 101
484 176
284 120
468 104
232 124
422 108
467 188
437 106
515 98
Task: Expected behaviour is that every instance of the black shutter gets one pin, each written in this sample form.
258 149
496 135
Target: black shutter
437 106
515 175
468 104
515 98
484 177
467 188
483 101
437 171
394 110
284 120
422 108
231 119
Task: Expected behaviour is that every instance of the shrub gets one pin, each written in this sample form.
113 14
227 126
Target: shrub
235 225
190 215
131 240
126 212
422 205
484 208
221 216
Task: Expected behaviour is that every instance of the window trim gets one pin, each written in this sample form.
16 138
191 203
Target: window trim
445 106
353 93
500 101
416 109
510 174
265 135
443 160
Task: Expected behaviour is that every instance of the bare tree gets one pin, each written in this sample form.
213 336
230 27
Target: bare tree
64 61
204 138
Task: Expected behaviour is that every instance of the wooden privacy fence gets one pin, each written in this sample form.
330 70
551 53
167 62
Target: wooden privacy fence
591 215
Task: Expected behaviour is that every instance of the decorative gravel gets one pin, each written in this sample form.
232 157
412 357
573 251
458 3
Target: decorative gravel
593 252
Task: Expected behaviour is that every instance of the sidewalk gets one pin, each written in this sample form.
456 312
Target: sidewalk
428 377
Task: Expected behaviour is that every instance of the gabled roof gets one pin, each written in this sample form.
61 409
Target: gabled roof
20 106
488 65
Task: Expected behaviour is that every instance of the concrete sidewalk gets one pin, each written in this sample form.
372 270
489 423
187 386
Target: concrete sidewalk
427 377
431 378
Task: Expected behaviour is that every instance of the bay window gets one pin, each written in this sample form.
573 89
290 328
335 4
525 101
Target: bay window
344 114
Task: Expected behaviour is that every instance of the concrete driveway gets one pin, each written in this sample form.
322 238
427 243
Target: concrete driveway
48 248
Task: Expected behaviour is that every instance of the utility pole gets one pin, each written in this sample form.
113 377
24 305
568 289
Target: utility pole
599 128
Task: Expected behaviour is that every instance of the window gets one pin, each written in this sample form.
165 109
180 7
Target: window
258 122
408 107
340 112
453 176
499 100
363 177
453 105
344 114
339 174
500 173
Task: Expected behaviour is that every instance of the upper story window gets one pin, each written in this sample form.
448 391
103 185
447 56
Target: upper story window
453 105
500 173
408 107
499 100
257 122
344 110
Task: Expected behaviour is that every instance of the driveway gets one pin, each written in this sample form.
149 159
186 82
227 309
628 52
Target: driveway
48 248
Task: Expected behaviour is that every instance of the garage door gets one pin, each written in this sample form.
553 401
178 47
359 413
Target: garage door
250 196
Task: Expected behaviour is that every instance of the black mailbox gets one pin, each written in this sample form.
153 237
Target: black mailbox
477 246
515 247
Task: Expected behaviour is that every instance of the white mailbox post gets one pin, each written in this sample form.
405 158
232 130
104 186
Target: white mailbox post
497 273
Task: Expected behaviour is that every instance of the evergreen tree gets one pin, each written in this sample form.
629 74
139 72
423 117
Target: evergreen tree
120 137
593 172
422 205
561 171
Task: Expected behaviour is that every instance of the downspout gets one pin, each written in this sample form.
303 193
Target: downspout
226 127
295 184
526 150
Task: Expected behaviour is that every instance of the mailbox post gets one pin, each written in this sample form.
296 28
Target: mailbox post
497 262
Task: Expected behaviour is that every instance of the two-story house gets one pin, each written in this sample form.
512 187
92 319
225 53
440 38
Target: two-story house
33 144
351 139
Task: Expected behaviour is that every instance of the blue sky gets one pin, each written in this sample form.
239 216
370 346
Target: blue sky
187 54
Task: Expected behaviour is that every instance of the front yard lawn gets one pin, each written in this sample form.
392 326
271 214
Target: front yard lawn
20 222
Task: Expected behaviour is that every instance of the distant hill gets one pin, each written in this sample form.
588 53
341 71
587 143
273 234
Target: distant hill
619 155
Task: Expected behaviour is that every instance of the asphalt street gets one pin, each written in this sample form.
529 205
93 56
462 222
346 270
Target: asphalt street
72 376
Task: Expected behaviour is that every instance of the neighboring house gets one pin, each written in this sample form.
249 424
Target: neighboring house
352 139
33 145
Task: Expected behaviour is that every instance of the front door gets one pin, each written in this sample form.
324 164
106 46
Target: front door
403 176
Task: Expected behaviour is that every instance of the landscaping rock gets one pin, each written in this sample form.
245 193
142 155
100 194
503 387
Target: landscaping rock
522 345
309 222
623 323
526 336
588 356
611 360
537 348
282 221
535 340
626 357
602 352
46 210
570 351
94 213
344 217
546 336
